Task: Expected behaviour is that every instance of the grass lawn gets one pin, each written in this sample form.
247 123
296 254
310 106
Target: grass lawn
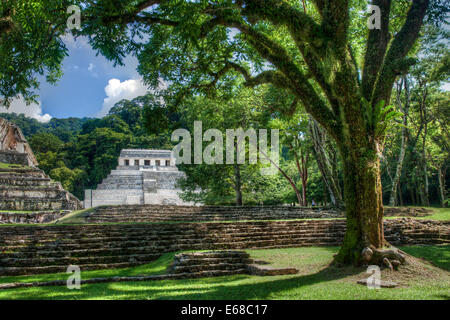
315 280
437 214
12 166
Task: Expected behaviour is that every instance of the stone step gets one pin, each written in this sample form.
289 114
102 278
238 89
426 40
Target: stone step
37 204
129 214
136 214
195 262
100 252
198 262
10 244
170 216
122 279
5 176
69 232
49 261
139 248
13 271
31 182
171 228
212 261
97 238
31 190
207 267
32 194
170 242
180 208
120 186
57 245
158 213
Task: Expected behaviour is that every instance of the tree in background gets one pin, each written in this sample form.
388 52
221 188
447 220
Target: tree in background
220 183
325 153
419 142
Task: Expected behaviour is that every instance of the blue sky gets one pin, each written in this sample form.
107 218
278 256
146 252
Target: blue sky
89 87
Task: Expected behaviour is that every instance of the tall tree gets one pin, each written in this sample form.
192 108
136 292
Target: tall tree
311 55
404 109
326 158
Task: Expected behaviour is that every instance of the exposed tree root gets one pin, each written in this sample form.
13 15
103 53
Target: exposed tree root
391 258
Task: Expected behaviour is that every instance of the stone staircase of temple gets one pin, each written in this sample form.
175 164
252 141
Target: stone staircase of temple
221 263
44 249
166 213
213 263
30 189
127 179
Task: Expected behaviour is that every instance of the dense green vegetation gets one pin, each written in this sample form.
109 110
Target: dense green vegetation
315 70
315 280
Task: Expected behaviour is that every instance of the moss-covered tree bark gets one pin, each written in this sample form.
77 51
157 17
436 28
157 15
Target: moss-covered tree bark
363 201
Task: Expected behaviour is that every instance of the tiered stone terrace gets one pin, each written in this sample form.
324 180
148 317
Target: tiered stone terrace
160 213
44 249
141 177
30 189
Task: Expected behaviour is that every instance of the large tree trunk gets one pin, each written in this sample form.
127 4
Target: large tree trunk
364 241
363 202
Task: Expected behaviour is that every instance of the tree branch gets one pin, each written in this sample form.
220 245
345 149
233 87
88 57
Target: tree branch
335 20
395 61
299 22
376 49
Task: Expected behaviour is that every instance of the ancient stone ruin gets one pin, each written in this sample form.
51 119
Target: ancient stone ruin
51 248
166 213
142 177
14 148
23 186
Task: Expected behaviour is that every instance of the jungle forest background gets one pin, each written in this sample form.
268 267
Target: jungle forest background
81 152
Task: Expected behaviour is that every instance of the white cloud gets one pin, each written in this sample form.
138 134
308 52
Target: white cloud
91 70
72 43
32 111
117 90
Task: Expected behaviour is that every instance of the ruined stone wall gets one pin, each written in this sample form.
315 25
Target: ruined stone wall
13 140
51 248
13 157
31 217
30 189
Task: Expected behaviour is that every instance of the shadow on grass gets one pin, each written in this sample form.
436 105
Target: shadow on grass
436 255
229 287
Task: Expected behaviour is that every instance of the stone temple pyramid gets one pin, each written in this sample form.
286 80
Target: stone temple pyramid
23 186
143 176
